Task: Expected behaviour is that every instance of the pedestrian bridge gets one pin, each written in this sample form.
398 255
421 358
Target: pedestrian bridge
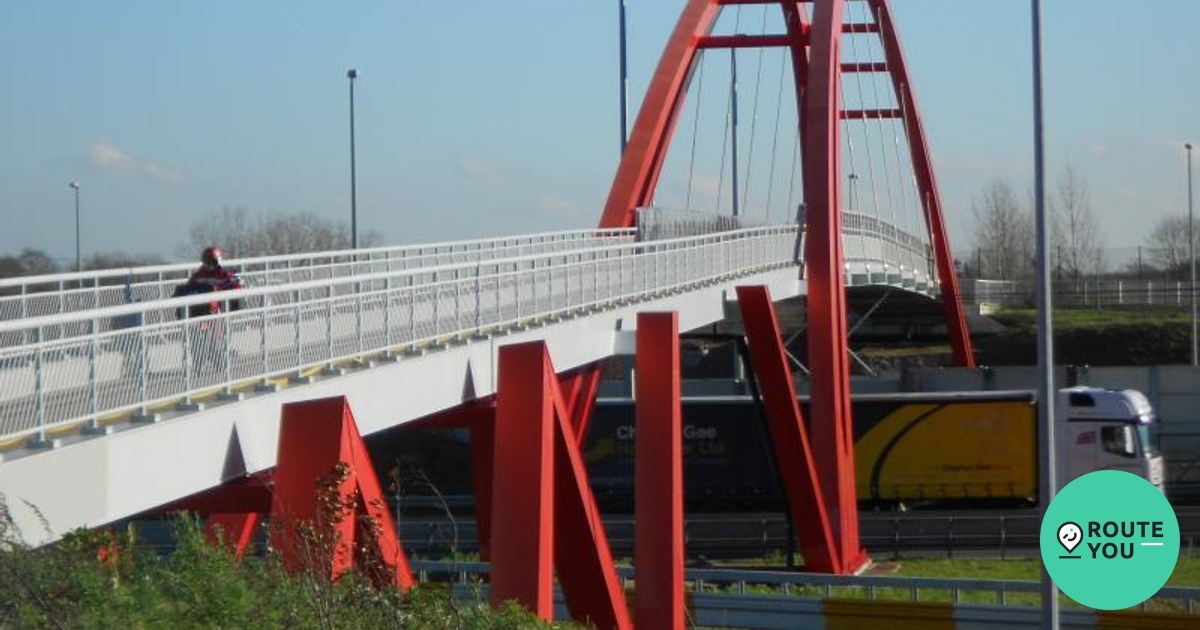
114 402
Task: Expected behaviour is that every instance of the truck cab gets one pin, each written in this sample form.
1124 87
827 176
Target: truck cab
1102 429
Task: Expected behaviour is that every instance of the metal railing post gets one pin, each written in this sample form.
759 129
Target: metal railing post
262 345
478 299
143 369
39 378
226 334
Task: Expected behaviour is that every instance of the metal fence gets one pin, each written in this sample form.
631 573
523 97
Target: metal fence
1098 293
33 296
783 586
72 367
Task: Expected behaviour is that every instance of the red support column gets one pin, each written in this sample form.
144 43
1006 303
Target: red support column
658 537
328 504
546 515
233 530
801 480
832 437
523 477
483 445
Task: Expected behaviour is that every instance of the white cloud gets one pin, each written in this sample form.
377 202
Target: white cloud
481 172
108 157
557 205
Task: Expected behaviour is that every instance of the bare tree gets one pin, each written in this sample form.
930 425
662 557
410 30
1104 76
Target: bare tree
120 260
1077 246
30 262
1168 244
1003 233
244 234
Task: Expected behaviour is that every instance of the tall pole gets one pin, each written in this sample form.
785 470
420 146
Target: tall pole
853 189
76 186
352 74
624 82
1192 252
733 127
1045 308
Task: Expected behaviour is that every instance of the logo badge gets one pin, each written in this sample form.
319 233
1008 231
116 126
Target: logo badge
1120 535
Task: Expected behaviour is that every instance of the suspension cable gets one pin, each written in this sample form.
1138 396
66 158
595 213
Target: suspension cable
783 62
887 171
737 21
695 129
754 117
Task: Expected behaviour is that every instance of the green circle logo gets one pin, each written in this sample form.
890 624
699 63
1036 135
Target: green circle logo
1110 540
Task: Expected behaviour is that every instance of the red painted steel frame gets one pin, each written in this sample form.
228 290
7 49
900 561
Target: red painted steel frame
789 437
956 319
830 371
658 536
546 514
523 482
234 530
316 439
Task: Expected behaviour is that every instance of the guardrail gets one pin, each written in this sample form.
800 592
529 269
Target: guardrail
34 296
776 587
82 366
874 246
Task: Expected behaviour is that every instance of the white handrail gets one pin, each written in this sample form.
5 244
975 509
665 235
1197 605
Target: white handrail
111 312
74 276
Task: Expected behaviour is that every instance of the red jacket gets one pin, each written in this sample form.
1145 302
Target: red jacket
210 281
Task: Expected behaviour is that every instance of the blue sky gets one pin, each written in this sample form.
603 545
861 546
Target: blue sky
482 118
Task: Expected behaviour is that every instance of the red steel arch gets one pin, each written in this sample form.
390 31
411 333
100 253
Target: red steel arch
815 46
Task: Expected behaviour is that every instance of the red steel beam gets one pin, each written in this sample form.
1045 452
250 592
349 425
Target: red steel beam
658 536
523 481
922 160
866 66
324 480
744 41
638 173
860 28
832 439
483 445
235 531
582 556
871 114
788 434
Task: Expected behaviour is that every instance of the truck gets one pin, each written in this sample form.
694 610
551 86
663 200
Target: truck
969 449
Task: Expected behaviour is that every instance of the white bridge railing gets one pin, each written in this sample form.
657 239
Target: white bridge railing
34 296
87 365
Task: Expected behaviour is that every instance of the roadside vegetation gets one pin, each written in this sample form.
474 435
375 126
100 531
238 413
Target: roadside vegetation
101 580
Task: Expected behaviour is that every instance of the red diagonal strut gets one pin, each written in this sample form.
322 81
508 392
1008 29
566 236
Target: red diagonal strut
546 515
789 438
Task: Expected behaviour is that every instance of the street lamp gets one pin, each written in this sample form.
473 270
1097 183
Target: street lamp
76 186
853 177
352 74
1192 251
624 80
1047 394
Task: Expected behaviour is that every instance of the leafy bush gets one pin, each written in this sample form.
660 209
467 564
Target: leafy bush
102 580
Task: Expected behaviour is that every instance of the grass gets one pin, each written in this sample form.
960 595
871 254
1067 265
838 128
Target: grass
1187 573
1026 319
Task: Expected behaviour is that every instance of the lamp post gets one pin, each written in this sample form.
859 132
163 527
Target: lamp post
352 74
76 186
624 81
1192 252
1045 300
853 177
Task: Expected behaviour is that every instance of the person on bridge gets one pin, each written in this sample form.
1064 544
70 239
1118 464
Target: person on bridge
211 277
207 345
